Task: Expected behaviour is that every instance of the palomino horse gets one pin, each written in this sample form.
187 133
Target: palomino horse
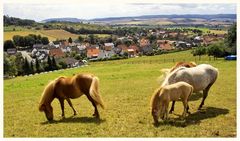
70 87
163 95
201 77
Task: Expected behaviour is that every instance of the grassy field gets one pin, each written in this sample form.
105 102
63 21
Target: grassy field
126 87
51 34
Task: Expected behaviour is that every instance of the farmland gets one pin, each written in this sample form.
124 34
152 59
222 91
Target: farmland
126 87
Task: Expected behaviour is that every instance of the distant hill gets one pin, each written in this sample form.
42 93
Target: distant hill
197 16
146 17
74 20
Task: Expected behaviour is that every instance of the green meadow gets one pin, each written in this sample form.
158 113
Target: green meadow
126 87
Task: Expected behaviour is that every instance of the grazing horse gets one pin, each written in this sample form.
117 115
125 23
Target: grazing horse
163 95
201 77
70 87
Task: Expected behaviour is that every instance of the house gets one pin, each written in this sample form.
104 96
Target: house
37 46
71 62
56 52
105 54
93 53
108 46
165 44
133 50
183 45
11 51
144 42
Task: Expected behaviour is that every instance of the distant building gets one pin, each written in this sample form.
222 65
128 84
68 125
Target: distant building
11 51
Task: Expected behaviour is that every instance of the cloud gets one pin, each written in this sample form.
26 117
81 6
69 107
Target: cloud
95 10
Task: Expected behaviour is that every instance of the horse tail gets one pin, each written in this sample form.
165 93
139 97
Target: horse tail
94 93
161 78
47 93
191 92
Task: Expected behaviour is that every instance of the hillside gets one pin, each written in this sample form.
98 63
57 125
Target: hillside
126 87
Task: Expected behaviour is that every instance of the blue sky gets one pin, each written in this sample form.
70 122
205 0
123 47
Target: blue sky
43 11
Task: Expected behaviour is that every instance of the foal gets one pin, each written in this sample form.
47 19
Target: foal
163 95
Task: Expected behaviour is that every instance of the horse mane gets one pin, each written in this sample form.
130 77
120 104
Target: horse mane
154 99
47 92
169 74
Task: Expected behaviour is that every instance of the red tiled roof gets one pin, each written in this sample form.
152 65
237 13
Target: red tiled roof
56 52
93 52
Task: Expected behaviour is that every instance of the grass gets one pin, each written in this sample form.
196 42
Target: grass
126 87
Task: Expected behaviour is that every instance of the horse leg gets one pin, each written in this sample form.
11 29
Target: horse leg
185 105
96 114
172 108
166 110
188 109
205 94
70 104
61 100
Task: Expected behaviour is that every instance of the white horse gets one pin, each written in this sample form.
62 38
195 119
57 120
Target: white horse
201 77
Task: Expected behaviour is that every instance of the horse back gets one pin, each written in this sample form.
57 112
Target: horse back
199 77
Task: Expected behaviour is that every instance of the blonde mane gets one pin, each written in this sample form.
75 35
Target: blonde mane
48 92
154 99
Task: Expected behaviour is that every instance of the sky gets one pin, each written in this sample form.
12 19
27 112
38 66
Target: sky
41 11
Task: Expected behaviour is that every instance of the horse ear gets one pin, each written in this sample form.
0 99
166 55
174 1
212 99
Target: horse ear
42 108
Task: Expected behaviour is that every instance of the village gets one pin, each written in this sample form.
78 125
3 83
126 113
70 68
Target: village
155 42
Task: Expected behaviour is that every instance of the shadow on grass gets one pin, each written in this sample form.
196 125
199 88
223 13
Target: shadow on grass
195 118
74 119
196 96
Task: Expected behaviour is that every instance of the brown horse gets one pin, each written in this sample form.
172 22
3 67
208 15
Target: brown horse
70 87
183 64
163 95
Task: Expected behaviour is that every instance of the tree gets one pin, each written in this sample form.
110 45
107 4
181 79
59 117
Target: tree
16 40
80 39
10 68
54 64
199 51
45 40
32 69
231 39
91 39
216 50
29 41
37 66
8 44
19 63
26 68
62 64
70 40
49 64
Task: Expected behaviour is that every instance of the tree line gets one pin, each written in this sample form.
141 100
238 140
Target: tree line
25 41
17 21
17 65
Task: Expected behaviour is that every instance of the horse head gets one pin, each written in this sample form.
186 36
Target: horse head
48 110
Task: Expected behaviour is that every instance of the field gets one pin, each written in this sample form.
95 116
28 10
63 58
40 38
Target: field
126 87
52 35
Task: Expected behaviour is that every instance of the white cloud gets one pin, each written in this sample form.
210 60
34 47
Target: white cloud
95 10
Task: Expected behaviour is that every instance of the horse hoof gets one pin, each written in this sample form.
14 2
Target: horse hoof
170 112
96 115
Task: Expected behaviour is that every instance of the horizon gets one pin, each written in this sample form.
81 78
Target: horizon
40 12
